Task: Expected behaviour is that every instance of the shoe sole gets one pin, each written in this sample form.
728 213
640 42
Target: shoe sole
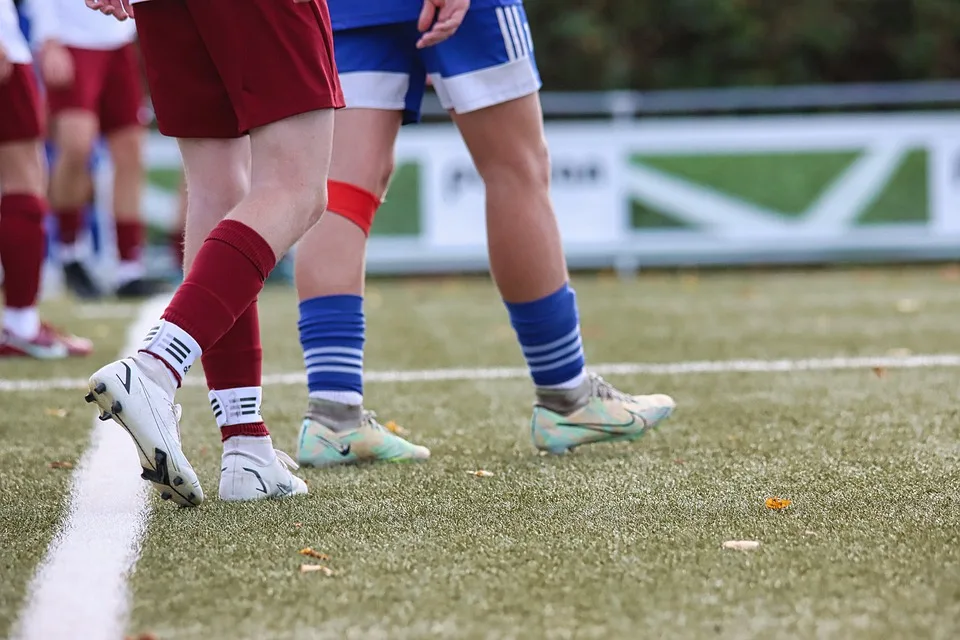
158 459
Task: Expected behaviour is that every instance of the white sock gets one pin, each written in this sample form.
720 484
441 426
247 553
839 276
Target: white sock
260 448
341 397
157 371
128 271
173 345
69 253
23 323
572 383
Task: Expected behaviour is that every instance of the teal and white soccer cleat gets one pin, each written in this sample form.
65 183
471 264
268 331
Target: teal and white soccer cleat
245 477
609 415
127 392
321 446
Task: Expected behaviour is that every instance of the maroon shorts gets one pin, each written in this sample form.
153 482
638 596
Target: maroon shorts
105 83
20 114
219 68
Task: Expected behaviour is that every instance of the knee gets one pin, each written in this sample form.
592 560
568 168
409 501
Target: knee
381 180
526 168
126 150
22 169
74 152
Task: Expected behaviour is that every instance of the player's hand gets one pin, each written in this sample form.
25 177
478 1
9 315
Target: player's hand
440 19
56 64
6 67
119 9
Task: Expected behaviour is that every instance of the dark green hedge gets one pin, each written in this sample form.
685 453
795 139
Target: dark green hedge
659 44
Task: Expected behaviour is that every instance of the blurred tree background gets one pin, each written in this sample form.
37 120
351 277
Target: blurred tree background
672 44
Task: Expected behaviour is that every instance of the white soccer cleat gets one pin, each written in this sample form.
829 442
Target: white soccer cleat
246 477
125 393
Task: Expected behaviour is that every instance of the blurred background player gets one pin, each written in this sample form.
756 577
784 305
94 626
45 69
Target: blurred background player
248 89
90 69
22 205
486 76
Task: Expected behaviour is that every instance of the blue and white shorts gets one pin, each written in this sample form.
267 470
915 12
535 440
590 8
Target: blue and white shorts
488 61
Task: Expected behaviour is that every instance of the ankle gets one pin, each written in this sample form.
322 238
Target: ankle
157 370
563 399
259 448
336 416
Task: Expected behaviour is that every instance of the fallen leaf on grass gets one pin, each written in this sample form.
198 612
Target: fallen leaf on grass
393 427
741 545
314 554
312 568
297 524
481 473
56 413
880 371
777 504
61 464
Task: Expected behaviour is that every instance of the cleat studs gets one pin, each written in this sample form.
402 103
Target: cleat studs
144 475
192 497
100 388
177 481
116 407
105 416
166 495
89 398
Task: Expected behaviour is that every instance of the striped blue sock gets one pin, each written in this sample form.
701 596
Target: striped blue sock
331 335
549 333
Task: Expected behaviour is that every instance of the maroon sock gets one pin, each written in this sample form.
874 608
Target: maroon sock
21 248
68 225
226 277
235 362
129 240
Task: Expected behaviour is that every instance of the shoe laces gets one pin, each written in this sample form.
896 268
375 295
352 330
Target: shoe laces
369 419
286 460
600 388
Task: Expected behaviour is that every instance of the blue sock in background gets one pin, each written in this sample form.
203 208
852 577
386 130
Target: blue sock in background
332 334
549 333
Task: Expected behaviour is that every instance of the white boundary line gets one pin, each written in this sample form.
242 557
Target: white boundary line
623 368
80 587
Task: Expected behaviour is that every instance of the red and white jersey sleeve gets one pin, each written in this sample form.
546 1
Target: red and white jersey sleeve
71 23
11 37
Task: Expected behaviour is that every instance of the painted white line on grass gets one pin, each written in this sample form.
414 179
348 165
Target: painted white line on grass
80 588
622 368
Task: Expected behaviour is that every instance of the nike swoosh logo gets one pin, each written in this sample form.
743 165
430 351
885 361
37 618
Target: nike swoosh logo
607 426
263 487
285 489
343 450
125 383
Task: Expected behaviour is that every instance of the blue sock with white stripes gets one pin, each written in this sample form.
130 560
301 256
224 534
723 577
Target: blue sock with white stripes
549 333
331 335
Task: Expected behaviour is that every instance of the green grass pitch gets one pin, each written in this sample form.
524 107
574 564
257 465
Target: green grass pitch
614 541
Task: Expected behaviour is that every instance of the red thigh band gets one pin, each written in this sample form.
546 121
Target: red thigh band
353 203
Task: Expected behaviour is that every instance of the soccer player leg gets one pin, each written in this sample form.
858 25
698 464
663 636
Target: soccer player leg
496 107
22 209
73 106
119 114
283 96
381 88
